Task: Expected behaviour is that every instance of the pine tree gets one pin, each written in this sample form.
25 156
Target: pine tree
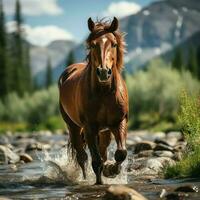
192 62
27 76
3 66
18 70
198 61
177 61
49 78
70 58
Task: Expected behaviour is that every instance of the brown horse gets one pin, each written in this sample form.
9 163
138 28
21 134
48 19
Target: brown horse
94 99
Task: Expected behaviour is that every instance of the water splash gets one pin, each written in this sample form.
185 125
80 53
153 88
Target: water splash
60 167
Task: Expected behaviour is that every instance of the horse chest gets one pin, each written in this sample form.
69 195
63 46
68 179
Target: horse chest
108 114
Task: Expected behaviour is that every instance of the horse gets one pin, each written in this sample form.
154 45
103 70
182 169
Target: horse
93 99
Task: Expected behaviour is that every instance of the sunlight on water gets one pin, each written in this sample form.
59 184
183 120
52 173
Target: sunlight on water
61 167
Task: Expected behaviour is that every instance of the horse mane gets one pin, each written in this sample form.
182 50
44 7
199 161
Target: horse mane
101 27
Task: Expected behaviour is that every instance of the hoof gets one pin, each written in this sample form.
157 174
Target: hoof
111 170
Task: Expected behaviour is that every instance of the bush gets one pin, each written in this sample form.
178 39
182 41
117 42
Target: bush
155 92
34 109
189 118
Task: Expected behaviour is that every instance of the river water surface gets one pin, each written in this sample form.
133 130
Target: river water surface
53 175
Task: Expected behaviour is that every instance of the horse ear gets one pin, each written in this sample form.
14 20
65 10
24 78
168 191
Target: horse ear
91 24
114 25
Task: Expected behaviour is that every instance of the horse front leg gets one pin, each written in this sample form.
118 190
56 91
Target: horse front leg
92 141
120 133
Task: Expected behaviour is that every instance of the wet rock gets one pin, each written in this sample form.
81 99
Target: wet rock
181 146
145 145
165 161
26 158
178 156
187 188
146 153
176 196
168 154
175 134
4 140
122 193
161 141
7 155
163 147
37 146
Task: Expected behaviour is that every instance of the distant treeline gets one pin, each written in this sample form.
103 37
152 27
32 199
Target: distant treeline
15 71
190 62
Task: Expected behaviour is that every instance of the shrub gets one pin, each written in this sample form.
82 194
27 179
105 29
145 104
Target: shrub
155 92
189 118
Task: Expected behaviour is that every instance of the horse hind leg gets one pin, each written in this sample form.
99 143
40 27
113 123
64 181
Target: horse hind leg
76 142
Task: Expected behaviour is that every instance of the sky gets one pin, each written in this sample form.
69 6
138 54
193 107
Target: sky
48 20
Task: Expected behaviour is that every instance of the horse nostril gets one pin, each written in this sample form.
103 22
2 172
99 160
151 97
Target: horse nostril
109 72
98 71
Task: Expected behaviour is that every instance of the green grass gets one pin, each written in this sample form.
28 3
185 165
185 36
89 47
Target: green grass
189 118
52 123
189 166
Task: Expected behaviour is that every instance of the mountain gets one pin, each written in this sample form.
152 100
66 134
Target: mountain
156 29
185 46
56 50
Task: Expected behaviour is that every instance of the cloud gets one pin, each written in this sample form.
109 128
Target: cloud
41 35
34 7
122 9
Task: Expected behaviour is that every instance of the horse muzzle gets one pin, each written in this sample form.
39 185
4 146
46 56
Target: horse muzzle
104 73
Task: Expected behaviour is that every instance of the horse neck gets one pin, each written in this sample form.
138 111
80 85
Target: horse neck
97 88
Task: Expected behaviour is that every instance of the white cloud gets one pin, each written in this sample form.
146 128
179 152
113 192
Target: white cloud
41 35
122 9
34 7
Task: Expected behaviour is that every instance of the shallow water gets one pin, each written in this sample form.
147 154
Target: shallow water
54 175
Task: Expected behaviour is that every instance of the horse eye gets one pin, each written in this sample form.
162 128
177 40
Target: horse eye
92 46
114 45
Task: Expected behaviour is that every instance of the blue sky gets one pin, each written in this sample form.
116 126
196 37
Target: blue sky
67 18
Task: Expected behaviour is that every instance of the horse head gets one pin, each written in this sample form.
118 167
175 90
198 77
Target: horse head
106 47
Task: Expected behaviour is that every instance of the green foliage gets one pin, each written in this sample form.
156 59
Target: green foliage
189 118
177 61
192 62
70 58
49 78
3 46
37 109
155 93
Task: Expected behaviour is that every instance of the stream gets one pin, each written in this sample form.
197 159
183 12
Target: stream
53 175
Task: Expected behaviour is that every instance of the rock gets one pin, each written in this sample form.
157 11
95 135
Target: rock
122 193
163 147
176 196
4 140
161 141
168 154
4 198
145 145
187 188
175 134
37 146
146 153
7 155
181 146
178 156
26 158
